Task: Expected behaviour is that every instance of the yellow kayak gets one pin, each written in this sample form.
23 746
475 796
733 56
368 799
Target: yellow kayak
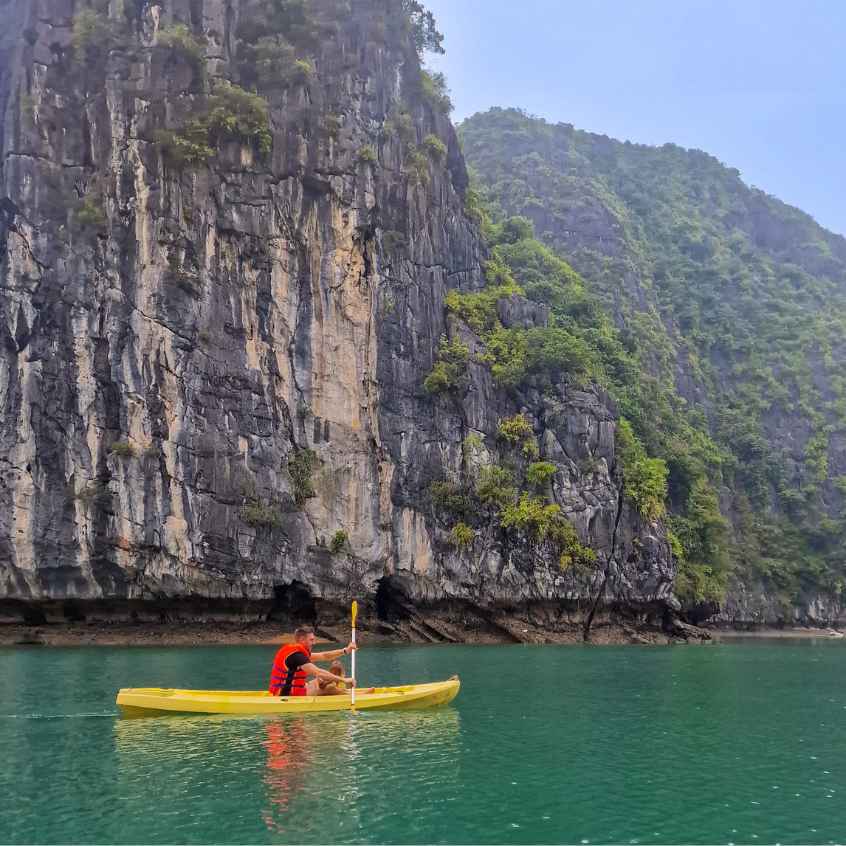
152 701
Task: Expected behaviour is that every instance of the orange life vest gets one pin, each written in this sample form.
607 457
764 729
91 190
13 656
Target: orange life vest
285 682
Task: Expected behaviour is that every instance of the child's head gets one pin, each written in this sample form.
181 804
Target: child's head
336 668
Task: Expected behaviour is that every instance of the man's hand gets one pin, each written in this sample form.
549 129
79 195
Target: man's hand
350 647
349 681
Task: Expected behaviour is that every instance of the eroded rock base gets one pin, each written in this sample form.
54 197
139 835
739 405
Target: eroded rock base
385 617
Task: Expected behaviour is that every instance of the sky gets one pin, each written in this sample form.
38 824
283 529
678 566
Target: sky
760 84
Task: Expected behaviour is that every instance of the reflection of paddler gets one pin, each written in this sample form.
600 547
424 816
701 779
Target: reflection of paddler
288 744
303 756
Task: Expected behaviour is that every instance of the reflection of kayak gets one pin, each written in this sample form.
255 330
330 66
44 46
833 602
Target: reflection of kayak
147 701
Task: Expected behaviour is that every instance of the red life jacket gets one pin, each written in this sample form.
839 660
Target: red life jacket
284 682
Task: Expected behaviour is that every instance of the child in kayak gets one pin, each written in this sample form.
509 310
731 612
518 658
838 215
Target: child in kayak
325 687
335 688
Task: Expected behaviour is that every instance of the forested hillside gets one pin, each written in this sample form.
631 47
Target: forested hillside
729 349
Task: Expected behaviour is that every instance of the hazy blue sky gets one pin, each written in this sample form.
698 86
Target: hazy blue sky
760 84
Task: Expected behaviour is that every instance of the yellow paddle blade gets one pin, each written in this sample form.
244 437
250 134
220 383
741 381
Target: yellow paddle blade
354 612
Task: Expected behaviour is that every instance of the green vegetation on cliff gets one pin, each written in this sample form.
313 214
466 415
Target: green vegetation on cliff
580 345
230 113
714 314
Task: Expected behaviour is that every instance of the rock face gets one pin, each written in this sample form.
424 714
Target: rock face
757 605
211 373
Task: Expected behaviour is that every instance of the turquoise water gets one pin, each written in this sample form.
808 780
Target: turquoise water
742 743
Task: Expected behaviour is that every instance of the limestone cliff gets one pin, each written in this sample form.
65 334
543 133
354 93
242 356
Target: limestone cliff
217 312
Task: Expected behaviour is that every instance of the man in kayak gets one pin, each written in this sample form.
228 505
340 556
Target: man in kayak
294 663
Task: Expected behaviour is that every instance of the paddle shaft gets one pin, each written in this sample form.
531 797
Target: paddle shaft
353 615
352 661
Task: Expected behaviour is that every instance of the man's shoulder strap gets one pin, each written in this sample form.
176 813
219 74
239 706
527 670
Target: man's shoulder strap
290 648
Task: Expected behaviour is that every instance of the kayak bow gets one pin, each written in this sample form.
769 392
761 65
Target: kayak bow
155 701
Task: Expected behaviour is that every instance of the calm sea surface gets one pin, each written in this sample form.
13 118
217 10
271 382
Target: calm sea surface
734 743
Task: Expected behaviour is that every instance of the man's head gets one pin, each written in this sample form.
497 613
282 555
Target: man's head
305 636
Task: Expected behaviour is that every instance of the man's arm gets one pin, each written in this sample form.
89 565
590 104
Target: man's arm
313 670
332 654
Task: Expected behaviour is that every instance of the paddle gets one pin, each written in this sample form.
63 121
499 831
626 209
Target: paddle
352 672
